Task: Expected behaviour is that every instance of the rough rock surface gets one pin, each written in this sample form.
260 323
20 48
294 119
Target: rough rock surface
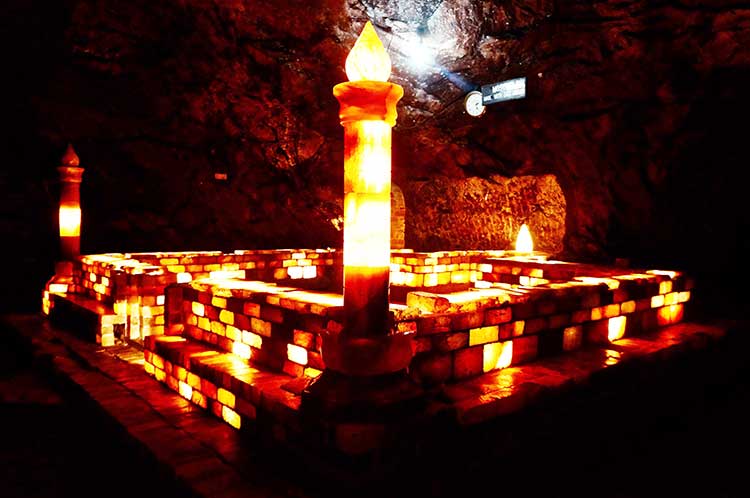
475 213
631 105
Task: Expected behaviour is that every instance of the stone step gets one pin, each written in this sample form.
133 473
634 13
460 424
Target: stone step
221 382
89 318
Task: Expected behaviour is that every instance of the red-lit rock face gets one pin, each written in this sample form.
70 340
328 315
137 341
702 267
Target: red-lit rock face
158 97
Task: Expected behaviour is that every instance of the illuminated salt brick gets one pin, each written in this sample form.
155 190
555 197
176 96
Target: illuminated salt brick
233 333
627 307
483 335
160 374
184 277
212 267
160 300
572 338
671 298
242 350
252 339
192 320
231 417
280 274
601 312
309 272
198 309
225 397
443 278
149 368
312 372
179 372
219 302
296 354
616 328
468 362
169 261
251 309
158 361
107 340
199 399
497 355
669 315
525 349
430 280
204 324
295 272
58 288
92 277
193 380
226 317
657 301
683 297
185 391
665 287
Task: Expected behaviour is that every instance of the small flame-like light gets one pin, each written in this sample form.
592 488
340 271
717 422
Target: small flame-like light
368 59
524 243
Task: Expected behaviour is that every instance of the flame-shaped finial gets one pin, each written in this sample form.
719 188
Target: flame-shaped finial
70 158
523 241
368 59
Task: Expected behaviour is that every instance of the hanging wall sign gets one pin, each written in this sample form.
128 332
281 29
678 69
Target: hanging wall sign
504 90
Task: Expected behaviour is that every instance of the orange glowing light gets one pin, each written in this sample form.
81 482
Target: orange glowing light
70 221
616 328
524 243
368 60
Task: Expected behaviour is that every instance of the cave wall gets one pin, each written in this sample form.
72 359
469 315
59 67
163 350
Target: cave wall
632 110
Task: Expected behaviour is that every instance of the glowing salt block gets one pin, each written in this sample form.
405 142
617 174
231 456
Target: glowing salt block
184 277
665 287
198 309
92 277
58 288
616 328
241 350
669 315
368 59
297 354
70 221
227 317
657 301
295 272
309 272
225 397
231 417
185 391
252 339
524 242
497 355
219 302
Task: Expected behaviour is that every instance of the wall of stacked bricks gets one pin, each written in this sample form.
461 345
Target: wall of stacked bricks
553 309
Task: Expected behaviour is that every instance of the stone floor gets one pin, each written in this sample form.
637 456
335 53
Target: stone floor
664 428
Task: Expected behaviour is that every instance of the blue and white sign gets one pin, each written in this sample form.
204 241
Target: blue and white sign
505 90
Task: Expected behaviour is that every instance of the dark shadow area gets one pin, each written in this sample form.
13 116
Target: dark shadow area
55 443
